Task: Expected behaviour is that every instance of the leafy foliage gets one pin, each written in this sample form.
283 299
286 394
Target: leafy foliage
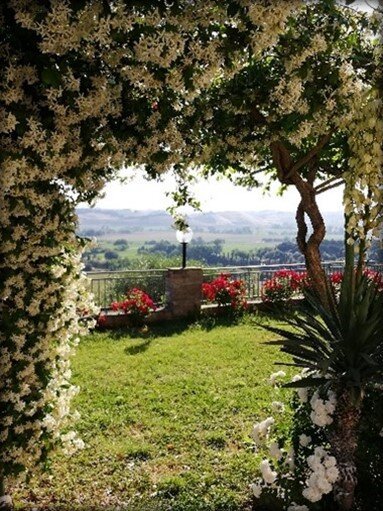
343 345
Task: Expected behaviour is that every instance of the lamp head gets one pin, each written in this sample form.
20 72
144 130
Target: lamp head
184 236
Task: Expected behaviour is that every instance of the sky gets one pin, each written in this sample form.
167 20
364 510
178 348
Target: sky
140 194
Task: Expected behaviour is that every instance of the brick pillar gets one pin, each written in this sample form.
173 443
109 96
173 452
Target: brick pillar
183 291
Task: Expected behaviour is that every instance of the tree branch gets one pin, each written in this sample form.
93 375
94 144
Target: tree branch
288 174
326 183
282 160
330 187
310 155
313 169
302 228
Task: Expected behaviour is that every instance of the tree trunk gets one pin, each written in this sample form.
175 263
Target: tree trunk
310 247
344 442
288 174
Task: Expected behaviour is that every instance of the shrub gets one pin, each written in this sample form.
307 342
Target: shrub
110 254
337 425
137 304
298 467
225 290
121 243
283 285
286 284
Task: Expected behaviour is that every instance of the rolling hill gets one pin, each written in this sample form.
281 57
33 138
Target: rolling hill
124 220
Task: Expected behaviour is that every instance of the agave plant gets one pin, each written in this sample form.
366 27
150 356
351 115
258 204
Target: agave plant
342 348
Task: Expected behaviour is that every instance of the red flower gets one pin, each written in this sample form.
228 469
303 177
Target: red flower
137 303
225 290
336 277
115 306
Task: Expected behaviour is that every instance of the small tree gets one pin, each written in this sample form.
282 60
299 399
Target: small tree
305 112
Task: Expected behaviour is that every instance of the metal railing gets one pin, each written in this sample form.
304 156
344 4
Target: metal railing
108 287
255 277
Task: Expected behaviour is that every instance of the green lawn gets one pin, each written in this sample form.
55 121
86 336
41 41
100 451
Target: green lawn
166 418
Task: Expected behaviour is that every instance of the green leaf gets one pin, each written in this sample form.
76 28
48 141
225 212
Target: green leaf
232 9
309 381
290 121
51 77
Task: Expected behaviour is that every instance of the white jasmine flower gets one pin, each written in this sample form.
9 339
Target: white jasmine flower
275 376
256 489
312 494
302 395
268 475
323 475
332 474
304 440
329 462
275 451
296 507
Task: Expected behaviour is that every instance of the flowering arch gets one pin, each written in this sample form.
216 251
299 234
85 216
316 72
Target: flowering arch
91 86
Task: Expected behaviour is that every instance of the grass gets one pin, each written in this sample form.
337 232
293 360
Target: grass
166 418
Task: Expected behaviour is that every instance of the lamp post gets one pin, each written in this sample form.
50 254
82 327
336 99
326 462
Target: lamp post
184 237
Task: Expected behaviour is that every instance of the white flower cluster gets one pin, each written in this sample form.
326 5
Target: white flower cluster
324 474
268 475
71 443
261 430
304 440
297 507
318 466
322 410
271 19
40 299
274 377
363 193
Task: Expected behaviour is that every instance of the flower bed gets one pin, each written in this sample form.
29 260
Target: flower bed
287 284
136 306
226 290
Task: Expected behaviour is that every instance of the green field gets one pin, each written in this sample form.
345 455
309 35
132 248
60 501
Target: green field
245 242
166 418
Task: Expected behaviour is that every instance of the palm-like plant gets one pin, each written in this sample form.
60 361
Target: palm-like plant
342 348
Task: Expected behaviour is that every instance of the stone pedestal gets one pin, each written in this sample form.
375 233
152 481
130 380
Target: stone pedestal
184 291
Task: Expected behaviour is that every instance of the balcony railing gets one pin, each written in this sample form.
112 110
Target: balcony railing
108 287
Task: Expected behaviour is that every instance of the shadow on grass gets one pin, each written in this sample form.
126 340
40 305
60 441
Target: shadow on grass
151 332
209 322
136 349
205 322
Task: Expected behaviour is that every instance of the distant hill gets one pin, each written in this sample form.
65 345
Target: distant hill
124 220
